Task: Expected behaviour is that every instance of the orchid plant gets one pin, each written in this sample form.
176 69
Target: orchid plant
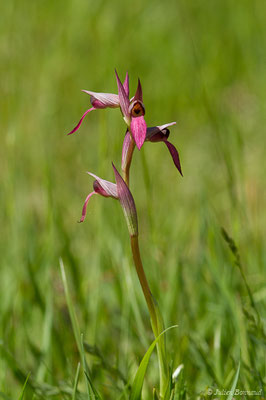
137 133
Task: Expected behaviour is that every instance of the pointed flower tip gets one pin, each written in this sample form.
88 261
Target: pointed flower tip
123 97
139 145
126 84
116 74
80 121
138 95
84 209
138 128
175 155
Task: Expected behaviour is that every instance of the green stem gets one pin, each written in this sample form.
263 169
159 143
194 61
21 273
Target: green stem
126 168
143 281
156 319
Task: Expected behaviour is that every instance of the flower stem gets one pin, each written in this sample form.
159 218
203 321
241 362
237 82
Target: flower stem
126 168
156 319
143 280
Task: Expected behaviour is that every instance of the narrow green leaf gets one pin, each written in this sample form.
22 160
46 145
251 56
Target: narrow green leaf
46 338
76 383
24 387
71 309
139 378
155 395
233 388
92 393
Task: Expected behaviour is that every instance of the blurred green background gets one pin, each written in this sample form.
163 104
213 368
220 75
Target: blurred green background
202 64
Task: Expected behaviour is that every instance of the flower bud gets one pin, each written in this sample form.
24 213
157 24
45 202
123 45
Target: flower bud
127 203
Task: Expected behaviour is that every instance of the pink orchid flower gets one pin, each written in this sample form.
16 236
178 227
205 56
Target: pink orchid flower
132 109
118 191
161 134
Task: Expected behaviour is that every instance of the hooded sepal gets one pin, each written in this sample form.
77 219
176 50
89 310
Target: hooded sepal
103 100
157 133
127 203
101 187
98 101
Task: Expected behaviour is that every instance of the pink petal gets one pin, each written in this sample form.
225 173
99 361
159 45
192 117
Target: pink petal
126 84
84 209
138 94
138 128
104 188
83 116
175 156
103 100
127 203
123 98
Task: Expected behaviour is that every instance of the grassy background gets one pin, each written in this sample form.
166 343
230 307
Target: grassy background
201 63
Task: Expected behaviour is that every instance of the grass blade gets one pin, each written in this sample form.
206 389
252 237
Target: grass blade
76 383
71 309
92 393
139 378
233 388
24 387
